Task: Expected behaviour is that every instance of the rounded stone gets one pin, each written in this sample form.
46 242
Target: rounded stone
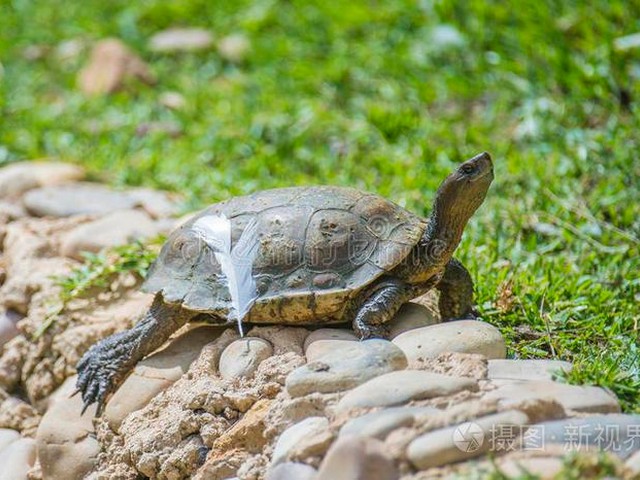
397 388
65 439
291 471
8 329
292 436
454 444
586 399
8 436
357 458
617 433
243 357
352 365
379 424
76 199
463 336
526 369
18 458
409 317
326 340
117 228
157 372
20 177
180 40
543 468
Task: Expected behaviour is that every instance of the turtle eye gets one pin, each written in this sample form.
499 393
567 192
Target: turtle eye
467 168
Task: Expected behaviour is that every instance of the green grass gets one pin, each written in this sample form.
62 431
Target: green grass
388 97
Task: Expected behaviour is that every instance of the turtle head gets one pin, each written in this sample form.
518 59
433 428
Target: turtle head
464 190
458 197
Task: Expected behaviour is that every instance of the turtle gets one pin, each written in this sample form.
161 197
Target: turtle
324 255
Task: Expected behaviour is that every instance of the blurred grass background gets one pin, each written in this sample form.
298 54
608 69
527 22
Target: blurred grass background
387 97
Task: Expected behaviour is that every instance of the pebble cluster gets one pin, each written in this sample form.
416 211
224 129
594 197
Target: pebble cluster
436 400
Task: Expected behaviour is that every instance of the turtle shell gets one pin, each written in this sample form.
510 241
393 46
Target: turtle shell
318 247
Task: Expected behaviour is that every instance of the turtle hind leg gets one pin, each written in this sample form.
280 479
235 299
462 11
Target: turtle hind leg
380 307
106 364
456 292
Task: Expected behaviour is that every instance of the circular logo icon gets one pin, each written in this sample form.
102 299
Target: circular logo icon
468 437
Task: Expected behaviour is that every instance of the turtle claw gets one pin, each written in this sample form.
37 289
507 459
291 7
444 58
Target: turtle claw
103 368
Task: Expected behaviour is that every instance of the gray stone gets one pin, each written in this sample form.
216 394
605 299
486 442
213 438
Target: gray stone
464 336
379 424
585 399
358 458
291 471
346 368
117 228
543 468
157 372
526 369
618 434
17 178
633 465
326 340
8 436
234 47
17 459
156 203
292 436
65 439
180 40
397 388
76 199
409 317
8 329
243 357
465 441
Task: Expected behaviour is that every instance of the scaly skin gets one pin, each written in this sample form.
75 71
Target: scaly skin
104 367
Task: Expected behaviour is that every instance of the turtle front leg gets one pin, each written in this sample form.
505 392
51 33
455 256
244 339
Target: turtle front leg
380 307
456 292
107 363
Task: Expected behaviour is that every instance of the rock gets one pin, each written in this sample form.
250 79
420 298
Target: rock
172 100
526 369
356 458
618 434
157 372
234 48
243 357
397 388
111 65
17 178
117 228
585 399
465 441
291 471
76 199
156 203
409 317
457 364
65 440
180 40
542 468
326 340
379 424
8 329
248 432
463 336
17 459
293 435
632 465
8 436
346 368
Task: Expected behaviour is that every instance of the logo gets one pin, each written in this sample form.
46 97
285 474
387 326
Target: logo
468 437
